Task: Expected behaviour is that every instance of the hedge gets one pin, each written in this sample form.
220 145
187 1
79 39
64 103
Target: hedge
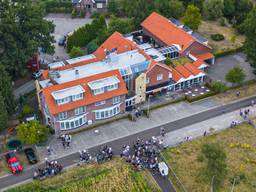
193 99
58 6
227 52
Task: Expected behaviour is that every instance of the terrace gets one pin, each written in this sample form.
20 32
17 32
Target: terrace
181 61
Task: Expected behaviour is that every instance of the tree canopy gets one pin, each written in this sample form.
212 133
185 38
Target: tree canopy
192 17
235 75
249 26
82 36
213 9
75 52
22 31
6 90
32 132
3 113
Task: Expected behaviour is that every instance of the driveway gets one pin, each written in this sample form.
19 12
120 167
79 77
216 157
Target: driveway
224 64
63 25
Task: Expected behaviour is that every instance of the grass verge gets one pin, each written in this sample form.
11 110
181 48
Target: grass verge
239 145
111 176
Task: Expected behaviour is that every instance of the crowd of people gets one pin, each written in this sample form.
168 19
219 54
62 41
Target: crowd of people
104 154
85 156
145 154
52 168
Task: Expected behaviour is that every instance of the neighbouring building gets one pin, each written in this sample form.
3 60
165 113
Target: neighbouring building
90 5
122 72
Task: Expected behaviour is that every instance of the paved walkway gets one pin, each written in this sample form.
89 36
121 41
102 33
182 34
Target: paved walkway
23 89
126 127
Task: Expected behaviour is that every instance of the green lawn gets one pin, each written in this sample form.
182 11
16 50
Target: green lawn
181 61
240 146
111 176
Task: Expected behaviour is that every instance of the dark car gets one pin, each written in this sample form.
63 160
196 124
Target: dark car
31 156
13 163
62 41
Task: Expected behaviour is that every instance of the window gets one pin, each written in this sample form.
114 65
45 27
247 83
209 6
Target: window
112 87
147 80
98 91
107 113
159 77
63 115
80 110
116 100
77 97
99 5
100 103
70 124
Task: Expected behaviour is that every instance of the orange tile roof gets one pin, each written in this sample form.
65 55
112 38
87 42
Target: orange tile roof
153 63
89 97
116 40
176 76
193 69
204 56
198 63
183 71
166 31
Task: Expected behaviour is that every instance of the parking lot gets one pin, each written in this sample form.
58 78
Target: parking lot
63 25
223 64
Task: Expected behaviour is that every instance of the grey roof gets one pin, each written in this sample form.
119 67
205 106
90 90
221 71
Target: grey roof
186 28
175 21
199 37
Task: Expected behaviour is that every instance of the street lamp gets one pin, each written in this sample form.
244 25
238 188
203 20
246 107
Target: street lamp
149 103
212 183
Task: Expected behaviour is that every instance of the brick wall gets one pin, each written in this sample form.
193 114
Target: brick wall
152 75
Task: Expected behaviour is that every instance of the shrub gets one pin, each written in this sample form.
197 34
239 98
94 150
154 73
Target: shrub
222 22
217 37
74 13
218 86
26 109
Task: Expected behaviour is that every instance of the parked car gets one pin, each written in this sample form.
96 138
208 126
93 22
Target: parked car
36 74
62 41
13 163
31 156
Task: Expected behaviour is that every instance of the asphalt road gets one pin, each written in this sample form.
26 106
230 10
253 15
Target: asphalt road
147 134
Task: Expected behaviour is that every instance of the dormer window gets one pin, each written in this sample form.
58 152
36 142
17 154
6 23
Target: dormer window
103 85
68 95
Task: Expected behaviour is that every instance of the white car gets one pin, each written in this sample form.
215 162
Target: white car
37 74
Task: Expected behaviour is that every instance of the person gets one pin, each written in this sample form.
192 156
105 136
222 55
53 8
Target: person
252 103
48 150
162 132
205 133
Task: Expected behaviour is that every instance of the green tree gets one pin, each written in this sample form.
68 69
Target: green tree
229 8
192 17
22 30
168 61
216 163
169 8
82 36
243 7
92 46
3 113
121 25
75 52
114 7
236 75
218 86
249 27
6 90
32 132
213 9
